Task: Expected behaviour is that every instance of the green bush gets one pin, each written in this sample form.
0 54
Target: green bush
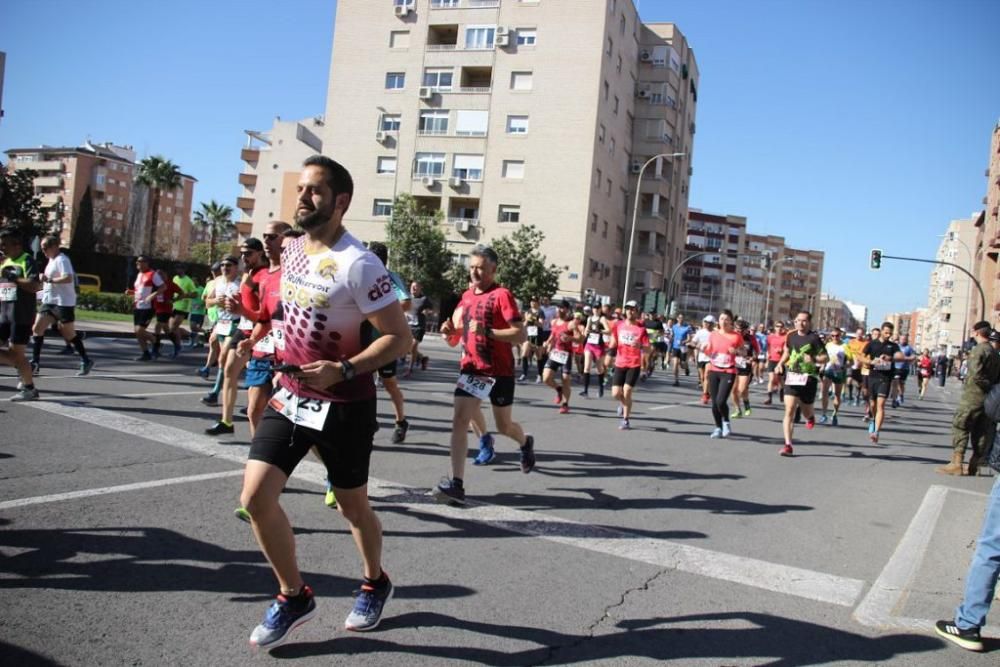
108 302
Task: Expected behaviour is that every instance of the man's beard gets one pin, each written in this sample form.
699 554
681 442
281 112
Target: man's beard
313 220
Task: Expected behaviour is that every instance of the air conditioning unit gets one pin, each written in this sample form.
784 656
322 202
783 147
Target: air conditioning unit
429 181
636 166
403 10
426 92
455 182
503 30
643 93
503 40
381 137
645 57
462 226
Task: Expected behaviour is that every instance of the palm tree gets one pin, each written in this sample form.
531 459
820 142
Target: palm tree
157 173
218 219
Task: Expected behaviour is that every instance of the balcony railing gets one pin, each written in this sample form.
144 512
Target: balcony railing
245 203
250 154
473 90
460 4
248 180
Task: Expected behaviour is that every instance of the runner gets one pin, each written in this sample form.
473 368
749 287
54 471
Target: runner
925 369
488 323
775 349
559 347
416 316
866 370
698 341
212 315
183 304
834 373
723 347
224 287
531 349
654 331
593 351
163 308
760 363
856 381
680 340
58 305
197 316
800 361
902 370
745 354
147 284
18 304
630 340
880 354
333 287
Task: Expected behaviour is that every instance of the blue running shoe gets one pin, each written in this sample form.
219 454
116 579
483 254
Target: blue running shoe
202 373
486 452
281 618
368 607
822 419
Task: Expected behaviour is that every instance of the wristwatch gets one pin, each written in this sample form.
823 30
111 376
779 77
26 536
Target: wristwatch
347 368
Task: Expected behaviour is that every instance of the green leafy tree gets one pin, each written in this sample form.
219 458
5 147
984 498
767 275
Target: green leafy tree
19 206
218 219
157 173
200 253
523 269
84 237
417 247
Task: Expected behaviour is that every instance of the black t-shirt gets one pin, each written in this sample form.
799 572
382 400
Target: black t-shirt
21 308
876 349
799 345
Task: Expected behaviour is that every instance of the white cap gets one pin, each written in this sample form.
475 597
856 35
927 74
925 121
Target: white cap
710 319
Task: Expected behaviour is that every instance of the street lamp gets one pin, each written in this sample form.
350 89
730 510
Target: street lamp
635 218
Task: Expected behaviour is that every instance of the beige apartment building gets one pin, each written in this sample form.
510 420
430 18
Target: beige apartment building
953 302
834 312
272 161
501 113
121 208
792 280
987 241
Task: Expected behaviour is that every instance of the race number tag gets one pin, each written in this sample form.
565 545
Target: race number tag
308 412
479 386
245 324
881 365
796 379
532 330
606 338
722 360
8 291
740 362
278 334
265 345
594 339
223 328
559 356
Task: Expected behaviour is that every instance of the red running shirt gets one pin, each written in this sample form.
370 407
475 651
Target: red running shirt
560 327
271 312
775 346
720 358
632 338
482 313
163 303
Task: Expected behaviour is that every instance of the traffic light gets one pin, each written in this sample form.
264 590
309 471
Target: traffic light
876 261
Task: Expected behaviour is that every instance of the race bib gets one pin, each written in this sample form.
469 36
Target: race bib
479 386
722 360
278 334
881 365
741 362
761 357
606 338
594 339
532 331
796 379
8 291
245 324
308 412
265 345
223 328
559 356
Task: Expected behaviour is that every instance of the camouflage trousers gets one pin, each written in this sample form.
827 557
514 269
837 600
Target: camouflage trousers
971 423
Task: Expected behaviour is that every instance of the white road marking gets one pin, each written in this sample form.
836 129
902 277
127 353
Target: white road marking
57 397
661 553
104 375
675 405
87 493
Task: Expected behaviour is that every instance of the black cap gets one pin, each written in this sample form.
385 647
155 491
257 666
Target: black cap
252 244
995 336
231 259
564 303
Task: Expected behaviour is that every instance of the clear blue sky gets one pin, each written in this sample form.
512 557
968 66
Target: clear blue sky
840 125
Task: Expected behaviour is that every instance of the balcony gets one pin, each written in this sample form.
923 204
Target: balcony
42 165
245 204
48 182
50 199
249 180
464 4
250 154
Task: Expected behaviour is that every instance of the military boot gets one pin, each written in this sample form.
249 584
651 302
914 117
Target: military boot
953 468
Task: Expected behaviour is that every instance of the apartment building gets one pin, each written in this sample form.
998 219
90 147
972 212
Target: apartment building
834 312
120 207
953 301
987 242
860 313
272 162
791 279
501 113
907 324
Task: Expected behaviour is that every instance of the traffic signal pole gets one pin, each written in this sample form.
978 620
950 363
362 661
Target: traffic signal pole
982 295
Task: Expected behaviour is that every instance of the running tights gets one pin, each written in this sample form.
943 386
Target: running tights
720 385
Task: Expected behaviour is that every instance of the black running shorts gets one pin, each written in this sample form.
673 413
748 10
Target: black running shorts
806 393
879 386
64 314
625 376
501 395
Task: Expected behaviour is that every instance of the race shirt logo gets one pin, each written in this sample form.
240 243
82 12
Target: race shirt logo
381 287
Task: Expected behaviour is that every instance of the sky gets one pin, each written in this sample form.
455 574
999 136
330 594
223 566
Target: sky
841 125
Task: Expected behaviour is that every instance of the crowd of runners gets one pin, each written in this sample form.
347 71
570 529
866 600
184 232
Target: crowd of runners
315 324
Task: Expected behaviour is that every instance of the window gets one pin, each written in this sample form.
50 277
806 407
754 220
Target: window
472 123
399 39
510 213
438 79
480 37
513 169
428 164
433 122
517 124
593 222
610 47
598 177
611 147
600 133
468 167
621 25
390 122
619 63
395 80
526 36
444 4
520 81
382 208
607 91
614 106
386 165
604 231
607 189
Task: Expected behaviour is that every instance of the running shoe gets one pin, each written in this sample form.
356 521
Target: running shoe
449 491
705 398
787 450
558 399
242 514
564 409
368 607
145 356
726 429
528 454
811 423
874 437
330 500
822 419
399 433
967 639
486 452
717 433
538 380
85 367
833 421
746 411
736 414
282 617
621 410
584 393
25 394
211 398
902 399
203 372
220 428
767 401
624 425
522 377
895 402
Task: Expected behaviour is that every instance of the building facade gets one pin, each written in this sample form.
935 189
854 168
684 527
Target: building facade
987 242
272 162
834 312
953 302
501 113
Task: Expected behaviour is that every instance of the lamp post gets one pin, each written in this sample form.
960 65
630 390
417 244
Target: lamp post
635 218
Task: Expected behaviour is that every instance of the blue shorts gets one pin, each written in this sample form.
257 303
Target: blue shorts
259 373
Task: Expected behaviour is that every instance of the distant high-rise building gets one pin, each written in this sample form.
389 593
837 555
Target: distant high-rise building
952 298
860 313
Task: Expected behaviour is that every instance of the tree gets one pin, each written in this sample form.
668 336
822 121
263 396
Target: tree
19 207
523 269
218 219
417 247
200 253
157 173
84 237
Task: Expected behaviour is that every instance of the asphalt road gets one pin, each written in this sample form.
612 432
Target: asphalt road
118 545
